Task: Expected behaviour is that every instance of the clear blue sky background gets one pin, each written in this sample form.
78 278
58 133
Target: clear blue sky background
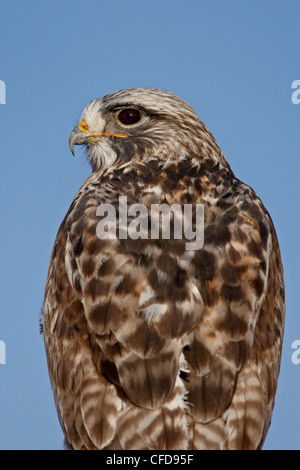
233 61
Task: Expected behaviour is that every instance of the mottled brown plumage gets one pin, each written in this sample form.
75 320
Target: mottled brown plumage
150 345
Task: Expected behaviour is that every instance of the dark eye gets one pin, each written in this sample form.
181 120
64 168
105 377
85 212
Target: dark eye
129 116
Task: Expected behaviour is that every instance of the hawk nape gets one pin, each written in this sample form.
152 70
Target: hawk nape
150 345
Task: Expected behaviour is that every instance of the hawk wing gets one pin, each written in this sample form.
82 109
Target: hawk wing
234 352
150 346
113 342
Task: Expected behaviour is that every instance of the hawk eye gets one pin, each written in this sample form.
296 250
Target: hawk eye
129 116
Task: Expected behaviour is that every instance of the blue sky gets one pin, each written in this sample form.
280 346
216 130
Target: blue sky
233 61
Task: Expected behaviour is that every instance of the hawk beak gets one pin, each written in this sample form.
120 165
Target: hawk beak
82 135
77 137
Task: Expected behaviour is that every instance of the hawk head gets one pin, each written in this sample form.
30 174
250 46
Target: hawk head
138 123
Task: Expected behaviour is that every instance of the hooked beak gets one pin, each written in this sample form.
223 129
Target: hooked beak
81 135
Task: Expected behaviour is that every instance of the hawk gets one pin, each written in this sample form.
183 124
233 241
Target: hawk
151 345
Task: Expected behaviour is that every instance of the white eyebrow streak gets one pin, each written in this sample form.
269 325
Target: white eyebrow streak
93 117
